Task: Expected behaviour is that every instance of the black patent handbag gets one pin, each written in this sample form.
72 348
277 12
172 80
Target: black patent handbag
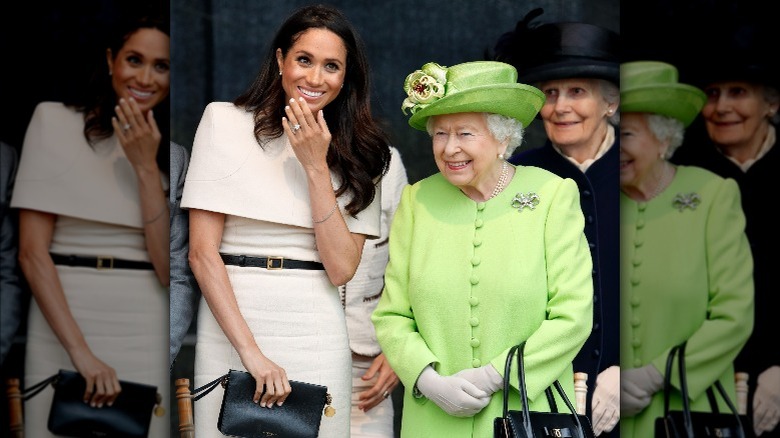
529 424
128 417
299 417
694 424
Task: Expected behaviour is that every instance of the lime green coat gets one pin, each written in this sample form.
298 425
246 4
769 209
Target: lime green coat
685 275
468 280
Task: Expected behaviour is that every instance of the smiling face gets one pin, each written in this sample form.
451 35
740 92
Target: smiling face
141 68
574 112
640 153
465 151
314 68
736 114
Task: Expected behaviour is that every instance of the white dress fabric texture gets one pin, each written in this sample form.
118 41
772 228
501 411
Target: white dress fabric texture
123 313
295 315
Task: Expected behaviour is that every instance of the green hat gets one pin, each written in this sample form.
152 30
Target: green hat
652 87
479 86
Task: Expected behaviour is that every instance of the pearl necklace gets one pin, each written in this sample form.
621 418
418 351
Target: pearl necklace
662 181
501 184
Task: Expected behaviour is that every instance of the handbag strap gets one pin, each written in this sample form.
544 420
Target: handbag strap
688 422
32 391
199 392
731 406
518 349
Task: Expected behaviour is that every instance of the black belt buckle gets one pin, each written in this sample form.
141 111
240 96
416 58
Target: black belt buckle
272 265
104 262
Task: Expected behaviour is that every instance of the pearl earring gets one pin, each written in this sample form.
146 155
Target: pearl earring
500 156
280 72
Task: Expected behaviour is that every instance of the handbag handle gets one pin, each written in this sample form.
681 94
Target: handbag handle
688 422
33 390
518 350
198 393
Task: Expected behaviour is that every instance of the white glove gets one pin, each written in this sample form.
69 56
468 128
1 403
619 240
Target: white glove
766 400
485 378
637 387
606 400
454 395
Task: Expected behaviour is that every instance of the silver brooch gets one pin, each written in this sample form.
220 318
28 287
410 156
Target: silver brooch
530 200
683 201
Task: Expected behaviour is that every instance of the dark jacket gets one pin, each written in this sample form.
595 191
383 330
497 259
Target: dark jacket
185 293
11 295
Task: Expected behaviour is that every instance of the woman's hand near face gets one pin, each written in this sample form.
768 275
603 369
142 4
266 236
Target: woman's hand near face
138 134
311 141
140 140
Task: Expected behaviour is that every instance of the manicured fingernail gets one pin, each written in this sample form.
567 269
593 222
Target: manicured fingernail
301 99
292 100
286 108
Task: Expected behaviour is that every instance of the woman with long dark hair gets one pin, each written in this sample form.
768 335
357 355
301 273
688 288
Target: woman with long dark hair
93 226
282 192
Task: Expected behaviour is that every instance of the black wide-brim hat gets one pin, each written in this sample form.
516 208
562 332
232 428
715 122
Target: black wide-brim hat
560 51
744 53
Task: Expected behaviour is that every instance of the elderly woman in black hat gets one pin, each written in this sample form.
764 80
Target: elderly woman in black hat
576 65
450 313
740 118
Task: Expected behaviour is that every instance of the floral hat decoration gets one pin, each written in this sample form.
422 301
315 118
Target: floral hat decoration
652 87
479 86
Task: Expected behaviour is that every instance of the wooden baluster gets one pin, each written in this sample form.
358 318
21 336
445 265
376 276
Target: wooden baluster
184 401
581 392
741 380
15 413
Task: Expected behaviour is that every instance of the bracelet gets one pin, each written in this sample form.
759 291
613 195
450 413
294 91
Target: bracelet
327 216
147 222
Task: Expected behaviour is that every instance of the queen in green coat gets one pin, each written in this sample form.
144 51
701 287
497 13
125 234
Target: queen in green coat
686 267
483 255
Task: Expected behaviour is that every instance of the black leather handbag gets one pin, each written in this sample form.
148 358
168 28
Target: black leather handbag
693 424
530 424
299 417
128 417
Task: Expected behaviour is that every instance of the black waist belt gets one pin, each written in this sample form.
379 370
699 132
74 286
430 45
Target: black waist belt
99 262
270 262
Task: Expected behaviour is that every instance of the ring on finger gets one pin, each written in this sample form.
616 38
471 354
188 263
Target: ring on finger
296 127
126 126
385 394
